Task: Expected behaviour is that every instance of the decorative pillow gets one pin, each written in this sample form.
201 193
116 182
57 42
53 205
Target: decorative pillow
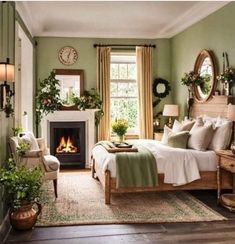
167 130
30 138
175 139
185 125
200 136
222 135
178 140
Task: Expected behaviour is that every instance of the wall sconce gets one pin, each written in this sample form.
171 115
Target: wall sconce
6 75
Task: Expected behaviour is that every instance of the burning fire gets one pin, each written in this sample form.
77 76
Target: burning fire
66 146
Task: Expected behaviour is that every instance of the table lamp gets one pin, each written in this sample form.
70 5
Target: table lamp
231 116
170 110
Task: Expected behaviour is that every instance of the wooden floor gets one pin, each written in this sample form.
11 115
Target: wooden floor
201 232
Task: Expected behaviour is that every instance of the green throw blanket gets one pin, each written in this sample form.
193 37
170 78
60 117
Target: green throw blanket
135 169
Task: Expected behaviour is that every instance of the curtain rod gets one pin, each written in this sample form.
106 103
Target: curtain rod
124 45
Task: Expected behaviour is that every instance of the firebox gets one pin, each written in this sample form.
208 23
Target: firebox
67 143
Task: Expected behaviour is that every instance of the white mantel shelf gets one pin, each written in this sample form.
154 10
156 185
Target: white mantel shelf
88 116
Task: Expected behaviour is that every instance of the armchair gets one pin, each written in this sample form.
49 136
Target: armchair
49 164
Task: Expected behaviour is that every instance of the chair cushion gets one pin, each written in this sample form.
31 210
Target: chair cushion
51 163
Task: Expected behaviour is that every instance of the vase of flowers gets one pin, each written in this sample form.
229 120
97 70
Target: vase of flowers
119 127
190 80
226 78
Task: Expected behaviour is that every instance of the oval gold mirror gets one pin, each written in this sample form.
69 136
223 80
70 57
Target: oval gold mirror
205 66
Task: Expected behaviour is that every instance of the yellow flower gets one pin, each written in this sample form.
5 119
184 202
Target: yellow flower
119 126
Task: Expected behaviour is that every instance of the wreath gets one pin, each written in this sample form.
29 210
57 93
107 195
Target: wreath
166 90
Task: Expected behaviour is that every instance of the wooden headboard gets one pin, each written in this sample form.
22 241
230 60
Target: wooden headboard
215 107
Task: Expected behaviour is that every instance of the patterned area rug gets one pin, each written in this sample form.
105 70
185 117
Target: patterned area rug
81 201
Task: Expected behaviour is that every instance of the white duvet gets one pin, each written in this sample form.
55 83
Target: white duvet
179 166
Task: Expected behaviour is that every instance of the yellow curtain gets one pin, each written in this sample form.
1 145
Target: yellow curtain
144 79
103 85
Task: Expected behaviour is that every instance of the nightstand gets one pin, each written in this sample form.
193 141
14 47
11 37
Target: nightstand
158 136
226 162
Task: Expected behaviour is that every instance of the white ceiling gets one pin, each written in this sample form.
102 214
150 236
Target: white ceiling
113 19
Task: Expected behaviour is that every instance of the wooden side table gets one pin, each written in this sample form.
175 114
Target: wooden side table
226 162
158 136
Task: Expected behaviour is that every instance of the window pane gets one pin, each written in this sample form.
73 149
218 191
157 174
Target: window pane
132 71
114 71
133 89
114 89
122 89
127 109
122 71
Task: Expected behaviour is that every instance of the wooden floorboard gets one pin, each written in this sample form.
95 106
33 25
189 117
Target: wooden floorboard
199 232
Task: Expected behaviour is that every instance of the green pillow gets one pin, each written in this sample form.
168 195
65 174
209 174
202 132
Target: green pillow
178 140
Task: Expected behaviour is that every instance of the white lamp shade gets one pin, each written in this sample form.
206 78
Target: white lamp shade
231 112
171 110
7 72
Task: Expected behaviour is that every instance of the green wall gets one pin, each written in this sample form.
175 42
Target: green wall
215 33
7 32
48 48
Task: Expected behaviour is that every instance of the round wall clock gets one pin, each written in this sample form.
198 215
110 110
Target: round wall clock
68 55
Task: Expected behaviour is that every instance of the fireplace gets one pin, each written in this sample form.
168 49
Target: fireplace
67 143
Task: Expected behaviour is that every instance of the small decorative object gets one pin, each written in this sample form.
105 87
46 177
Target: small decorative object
90 100
48 97
119 127
227 77
170 110
23 188
217 93
68 55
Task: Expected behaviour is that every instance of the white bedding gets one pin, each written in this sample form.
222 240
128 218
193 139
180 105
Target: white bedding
179 166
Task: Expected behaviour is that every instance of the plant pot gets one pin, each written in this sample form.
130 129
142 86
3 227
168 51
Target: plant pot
120 138
25 217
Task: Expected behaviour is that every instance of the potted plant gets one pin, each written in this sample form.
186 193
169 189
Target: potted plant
23 190
119 127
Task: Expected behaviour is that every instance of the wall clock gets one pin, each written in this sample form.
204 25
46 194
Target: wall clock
68 55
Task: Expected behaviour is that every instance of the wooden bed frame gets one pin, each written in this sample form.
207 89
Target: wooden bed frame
209 179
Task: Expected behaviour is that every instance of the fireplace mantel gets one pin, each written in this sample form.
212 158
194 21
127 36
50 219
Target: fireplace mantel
88 116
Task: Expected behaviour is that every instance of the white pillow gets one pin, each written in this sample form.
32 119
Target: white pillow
185 125
30 138
200 135
222 135
167 131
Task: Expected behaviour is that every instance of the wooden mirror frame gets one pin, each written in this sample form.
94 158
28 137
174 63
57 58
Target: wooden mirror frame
78 72
199 61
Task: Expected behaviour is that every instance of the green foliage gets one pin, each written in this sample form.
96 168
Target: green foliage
21 184
17 130
22 148
190 79
206 84
48 97
227 76
90 100
119 126
8 108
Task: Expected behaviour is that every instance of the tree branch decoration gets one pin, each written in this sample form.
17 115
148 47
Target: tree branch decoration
48 98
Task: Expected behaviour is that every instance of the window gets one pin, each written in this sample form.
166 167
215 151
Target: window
124 90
